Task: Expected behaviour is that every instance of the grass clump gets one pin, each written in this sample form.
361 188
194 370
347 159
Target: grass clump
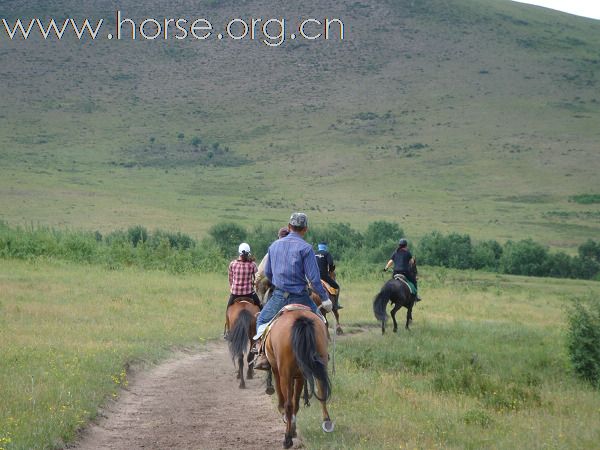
583 340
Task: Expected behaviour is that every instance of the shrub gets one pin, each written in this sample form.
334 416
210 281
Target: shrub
486 255
381 239
523 258
228 236
590 250
137 234
583 340
454 250
343 241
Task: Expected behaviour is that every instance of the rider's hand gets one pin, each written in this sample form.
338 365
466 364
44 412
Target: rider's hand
385 269
327 306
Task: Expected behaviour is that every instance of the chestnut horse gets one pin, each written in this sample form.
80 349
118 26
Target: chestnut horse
296 347
241 317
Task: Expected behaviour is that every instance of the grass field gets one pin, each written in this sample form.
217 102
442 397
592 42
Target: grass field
475 116
485 364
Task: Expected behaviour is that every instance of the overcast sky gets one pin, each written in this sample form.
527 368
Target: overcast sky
586 8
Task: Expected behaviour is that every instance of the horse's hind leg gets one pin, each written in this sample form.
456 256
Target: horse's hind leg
327 424
250 371
241 371
338 327
286 384
270 390
393 314
408 317
298 384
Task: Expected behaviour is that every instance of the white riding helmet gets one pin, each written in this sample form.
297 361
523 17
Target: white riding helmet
244 248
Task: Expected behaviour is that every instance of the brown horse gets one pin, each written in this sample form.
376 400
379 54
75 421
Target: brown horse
334 299
263 288
296 347
241 317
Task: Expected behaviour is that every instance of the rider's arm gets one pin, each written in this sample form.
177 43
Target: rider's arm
268 269
312 273
330 264
389 264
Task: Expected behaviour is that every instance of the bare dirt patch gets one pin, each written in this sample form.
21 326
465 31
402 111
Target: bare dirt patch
190 402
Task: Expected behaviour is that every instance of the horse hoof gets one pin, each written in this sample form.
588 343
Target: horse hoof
287 442
339 330
328 426
250 375
270 390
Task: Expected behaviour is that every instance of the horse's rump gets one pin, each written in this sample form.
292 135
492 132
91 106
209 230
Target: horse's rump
242 319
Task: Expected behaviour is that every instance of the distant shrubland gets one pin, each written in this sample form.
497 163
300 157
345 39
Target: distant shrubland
355 250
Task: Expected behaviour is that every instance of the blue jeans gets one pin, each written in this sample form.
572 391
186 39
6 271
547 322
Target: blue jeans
278 301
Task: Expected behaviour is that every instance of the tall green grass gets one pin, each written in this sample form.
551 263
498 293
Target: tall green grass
485 364
70 332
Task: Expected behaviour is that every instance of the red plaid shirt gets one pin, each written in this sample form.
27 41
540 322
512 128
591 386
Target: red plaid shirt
241 276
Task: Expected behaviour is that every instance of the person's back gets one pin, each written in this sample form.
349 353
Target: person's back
404 264
326 267
290 265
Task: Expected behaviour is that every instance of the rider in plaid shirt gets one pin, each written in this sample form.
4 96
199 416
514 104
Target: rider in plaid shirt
241 278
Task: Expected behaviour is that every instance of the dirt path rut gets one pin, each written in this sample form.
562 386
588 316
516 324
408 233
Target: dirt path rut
190 402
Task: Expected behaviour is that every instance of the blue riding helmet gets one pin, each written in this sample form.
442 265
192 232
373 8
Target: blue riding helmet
322 246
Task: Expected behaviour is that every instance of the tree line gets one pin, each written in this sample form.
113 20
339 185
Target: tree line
355 250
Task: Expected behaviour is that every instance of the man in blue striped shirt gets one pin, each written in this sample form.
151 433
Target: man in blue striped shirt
290 264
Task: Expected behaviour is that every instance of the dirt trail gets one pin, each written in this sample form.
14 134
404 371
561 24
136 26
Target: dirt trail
190 402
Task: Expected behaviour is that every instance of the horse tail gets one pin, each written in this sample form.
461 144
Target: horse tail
380 302
309 361
238 335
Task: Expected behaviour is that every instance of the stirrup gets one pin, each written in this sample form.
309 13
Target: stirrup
261 362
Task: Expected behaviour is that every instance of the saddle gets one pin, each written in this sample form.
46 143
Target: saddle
265 329
331 290
403 279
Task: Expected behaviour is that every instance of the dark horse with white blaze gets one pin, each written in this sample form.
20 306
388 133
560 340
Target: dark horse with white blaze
398 293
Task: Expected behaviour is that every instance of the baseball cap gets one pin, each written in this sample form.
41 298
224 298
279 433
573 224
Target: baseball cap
299 219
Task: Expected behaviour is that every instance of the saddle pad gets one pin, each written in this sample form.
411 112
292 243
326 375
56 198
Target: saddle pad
264 329
411 287
329 288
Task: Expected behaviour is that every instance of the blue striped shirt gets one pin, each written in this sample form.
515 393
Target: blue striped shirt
291 262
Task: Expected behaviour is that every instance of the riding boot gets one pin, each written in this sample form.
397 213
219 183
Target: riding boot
260 361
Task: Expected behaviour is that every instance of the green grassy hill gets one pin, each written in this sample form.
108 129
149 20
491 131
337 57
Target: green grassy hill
476 116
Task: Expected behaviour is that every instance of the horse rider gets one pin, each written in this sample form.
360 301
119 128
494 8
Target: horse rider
283 232
404 263
290 264
241 278
326 266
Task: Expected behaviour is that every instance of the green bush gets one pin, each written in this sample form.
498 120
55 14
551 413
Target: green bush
137 235
454 250
590 250
583 340
228 236
524 257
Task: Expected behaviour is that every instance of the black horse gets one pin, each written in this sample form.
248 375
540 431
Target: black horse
398 293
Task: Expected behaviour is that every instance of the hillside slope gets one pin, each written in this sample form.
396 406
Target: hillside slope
476 116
